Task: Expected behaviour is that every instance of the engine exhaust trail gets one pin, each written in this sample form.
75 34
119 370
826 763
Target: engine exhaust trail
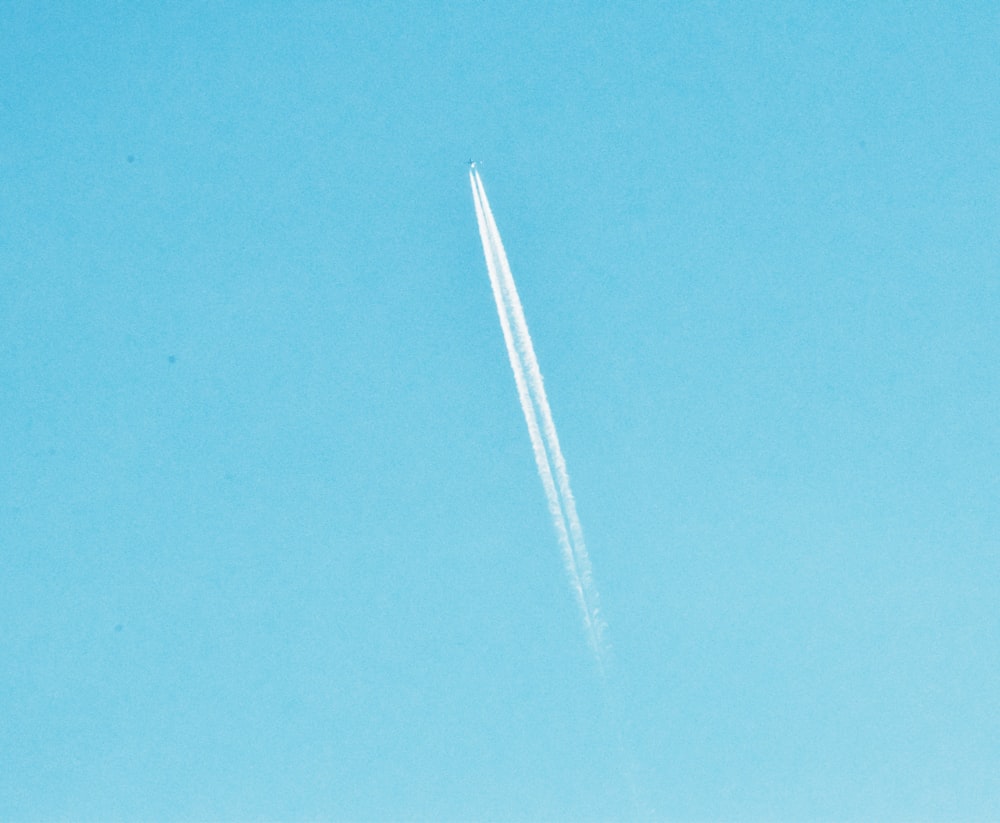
534 432
541 427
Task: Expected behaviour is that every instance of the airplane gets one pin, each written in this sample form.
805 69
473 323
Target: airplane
472 164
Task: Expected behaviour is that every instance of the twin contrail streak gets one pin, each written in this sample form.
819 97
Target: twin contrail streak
538 416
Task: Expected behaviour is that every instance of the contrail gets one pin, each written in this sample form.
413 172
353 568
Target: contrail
537 444
535 405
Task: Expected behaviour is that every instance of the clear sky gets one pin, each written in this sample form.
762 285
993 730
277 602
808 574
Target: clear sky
272 544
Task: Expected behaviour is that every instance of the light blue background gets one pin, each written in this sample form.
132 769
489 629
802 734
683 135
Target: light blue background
271 541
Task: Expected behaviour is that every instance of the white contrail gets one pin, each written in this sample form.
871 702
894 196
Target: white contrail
537 444
583 575
535 404
536 387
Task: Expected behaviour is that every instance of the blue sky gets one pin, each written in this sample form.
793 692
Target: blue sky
272 545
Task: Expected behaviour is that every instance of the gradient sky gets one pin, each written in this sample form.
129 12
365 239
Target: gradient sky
272 545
